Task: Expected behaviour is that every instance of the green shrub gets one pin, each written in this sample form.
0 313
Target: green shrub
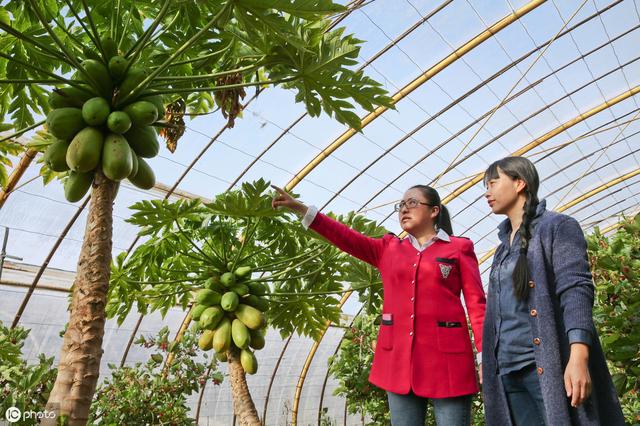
615 263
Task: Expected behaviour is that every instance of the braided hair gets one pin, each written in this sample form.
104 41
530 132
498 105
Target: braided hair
443 220
523 169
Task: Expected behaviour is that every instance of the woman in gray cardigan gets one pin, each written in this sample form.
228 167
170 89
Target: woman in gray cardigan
542 363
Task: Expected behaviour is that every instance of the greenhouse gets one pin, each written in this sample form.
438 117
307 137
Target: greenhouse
211 212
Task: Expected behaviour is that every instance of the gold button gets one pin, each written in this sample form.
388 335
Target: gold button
532 284
536 341
540 371
534 313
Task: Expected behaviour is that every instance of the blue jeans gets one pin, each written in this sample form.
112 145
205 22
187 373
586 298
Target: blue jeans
524 397
411 410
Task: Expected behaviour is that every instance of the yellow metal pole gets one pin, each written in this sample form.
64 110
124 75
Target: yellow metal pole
17 173
611 227
607 104
598 190
183 328
406 90
307 364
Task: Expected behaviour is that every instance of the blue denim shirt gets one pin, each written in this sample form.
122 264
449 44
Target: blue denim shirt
513 331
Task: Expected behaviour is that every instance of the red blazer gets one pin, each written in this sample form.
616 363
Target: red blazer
423 341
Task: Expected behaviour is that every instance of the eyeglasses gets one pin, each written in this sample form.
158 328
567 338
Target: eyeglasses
411 203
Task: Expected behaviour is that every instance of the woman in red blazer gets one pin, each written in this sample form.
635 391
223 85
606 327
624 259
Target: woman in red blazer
424 350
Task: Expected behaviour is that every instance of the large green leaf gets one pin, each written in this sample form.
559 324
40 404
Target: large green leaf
285 40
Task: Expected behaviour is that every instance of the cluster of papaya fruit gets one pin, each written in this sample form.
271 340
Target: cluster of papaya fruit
96 124
229 312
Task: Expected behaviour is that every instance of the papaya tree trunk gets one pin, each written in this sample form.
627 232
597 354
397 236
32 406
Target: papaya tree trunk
79 365
243 405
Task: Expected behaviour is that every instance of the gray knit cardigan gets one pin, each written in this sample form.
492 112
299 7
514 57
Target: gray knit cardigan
561 293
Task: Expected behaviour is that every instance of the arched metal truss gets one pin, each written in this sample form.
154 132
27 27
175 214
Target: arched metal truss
483 116
406 90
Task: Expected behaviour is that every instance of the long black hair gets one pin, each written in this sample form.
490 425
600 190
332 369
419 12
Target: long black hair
443 220
523 169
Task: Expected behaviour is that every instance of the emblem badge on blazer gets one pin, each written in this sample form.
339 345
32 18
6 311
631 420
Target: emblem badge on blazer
444 270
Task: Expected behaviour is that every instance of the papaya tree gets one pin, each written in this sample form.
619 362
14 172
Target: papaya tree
242 266
103 76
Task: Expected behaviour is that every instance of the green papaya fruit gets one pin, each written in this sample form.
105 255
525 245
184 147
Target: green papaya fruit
70 96
205 342
257 340
229 301
208 297
118 122
56 156
109 46
142 113
250 316
197 311
228 279
100 77
195 327
145 178
85 150
90 53
116 157
213 283
240 334
242 272
134 77
118 67
134 163
222 336
95 111
221 356
240 289
77 185
257 288
210 318
144 141
230 266
64 123
256 301
158 101
248 361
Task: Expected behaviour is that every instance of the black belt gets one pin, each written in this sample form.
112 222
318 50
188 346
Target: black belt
449 324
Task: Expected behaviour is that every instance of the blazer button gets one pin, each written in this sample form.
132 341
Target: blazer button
412 298
534 313
414 265
411 333
540 371
532 284
411 316
536 341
